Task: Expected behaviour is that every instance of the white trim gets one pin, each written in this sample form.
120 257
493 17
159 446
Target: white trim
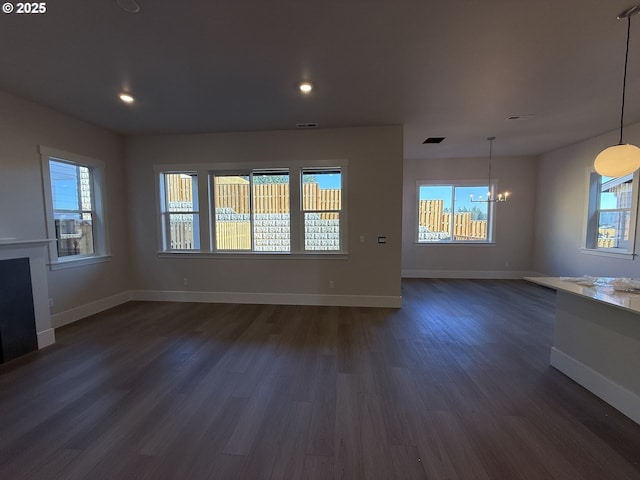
616 395
236 166
268 298
626 255
12 242
537 274
83 311
78 313
457 243
312 255
99 200
207 208
36 251
590 225
49 152
470 274
46 337
78 261
491 210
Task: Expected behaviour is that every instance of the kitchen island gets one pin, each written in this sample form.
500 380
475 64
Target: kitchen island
597 338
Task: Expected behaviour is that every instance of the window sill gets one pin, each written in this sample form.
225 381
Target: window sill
607 253
455 244
255 255
79 262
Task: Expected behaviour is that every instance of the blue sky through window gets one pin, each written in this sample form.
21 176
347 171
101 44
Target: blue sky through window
462 200
608 200
64 186
328 180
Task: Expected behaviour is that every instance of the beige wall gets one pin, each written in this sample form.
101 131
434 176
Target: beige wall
510 256
562 208
24 126
549 192
374 156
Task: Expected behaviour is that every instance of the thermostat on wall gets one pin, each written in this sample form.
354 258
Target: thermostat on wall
382 239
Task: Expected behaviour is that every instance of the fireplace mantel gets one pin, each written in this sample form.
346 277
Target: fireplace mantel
12 242
36 251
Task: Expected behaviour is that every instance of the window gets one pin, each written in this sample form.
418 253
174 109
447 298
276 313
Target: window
611 216
321 206
446 214
291 209
74 206
180 217
252 211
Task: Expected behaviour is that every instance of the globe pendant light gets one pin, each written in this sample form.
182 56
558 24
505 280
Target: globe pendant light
622 159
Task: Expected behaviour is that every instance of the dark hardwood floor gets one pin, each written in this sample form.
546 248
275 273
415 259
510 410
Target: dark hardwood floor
455 385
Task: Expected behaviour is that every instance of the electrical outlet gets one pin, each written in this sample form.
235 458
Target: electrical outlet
332 284
51 302
185 281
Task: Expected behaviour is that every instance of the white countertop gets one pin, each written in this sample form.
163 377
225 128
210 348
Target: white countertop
602 291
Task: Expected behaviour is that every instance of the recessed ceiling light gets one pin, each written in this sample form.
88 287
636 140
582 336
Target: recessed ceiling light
126 97
306 87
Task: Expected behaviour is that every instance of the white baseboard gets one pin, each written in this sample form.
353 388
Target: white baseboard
77 313
615 395
268 298
46 337
83 311
537 274
470 274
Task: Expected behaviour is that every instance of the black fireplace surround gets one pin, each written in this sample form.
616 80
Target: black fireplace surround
17 317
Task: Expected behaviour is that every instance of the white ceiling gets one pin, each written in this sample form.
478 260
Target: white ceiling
451 68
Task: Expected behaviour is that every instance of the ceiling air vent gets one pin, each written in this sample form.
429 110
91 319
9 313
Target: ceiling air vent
306 125
520 117
434 140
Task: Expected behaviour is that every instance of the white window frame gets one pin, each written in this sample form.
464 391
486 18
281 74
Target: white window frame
341 211
206 208
491 211
250 174
165 214
99 214
590 244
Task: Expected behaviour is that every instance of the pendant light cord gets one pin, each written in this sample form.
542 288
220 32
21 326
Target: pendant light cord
624 79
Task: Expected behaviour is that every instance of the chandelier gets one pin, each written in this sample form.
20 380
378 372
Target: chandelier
502 197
